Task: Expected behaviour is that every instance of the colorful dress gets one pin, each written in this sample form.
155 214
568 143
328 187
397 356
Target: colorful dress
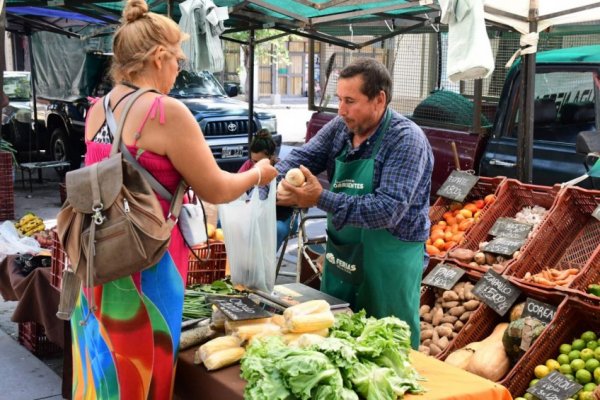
127 349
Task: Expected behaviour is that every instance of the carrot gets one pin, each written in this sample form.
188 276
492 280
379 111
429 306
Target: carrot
543 281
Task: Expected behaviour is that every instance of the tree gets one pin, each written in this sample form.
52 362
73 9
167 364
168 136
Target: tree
275 50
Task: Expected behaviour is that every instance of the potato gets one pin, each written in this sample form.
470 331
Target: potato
443 342
457 311
426 334
438 313
425 308
450 304
449 318
465 316
295 177
450 295
443 331
458 325
427 317
426 342
479 258
434 349
471 305
424 350
462 255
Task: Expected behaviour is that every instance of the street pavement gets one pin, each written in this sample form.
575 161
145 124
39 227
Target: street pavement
28 378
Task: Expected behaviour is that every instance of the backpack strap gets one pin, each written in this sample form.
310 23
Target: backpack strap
118 145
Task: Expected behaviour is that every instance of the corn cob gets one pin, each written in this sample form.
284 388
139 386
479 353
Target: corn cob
290 337
224 358
310 322
309 307
218 344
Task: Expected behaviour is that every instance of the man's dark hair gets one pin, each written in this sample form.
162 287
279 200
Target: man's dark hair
375 77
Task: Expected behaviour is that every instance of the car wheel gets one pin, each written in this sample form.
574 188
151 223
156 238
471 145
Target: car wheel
61 149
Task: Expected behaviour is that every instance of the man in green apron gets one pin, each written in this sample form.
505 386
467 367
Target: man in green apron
379 165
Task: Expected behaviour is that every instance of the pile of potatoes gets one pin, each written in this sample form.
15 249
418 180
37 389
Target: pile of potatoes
442 322
480 259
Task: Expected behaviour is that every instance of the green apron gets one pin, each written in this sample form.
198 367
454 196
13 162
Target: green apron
370 268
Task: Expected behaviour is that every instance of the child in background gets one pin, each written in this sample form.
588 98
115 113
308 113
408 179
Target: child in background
263 146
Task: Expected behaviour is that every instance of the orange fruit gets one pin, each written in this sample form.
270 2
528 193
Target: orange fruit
439 243
489 199
449 245
458 237
432 250
466 213
428 241
442 223
447 214
479 203
454 228
451 221
455 206
476 215
460 218
471 207
466 224
437 234
448 235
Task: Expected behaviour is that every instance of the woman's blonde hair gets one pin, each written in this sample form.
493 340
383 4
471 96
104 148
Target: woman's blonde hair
140 33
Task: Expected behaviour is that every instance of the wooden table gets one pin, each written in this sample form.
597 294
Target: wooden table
444 381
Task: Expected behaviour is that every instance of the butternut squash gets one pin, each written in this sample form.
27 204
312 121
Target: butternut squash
490 360
462 357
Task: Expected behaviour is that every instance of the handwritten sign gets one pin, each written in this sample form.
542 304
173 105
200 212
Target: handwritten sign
504 246
510 228
496 292
458 185
554 386
596 213
443 276
538 310
239 308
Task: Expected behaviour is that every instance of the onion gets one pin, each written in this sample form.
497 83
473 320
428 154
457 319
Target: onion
295 177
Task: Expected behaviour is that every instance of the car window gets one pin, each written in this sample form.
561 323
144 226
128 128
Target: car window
192 84
564 105
17 88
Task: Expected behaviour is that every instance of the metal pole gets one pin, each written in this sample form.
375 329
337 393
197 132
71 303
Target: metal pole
477 100
251 89
311 74
33 127
525 139
170 8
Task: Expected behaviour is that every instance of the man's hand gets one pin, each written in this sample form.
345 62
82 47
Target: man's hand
305 196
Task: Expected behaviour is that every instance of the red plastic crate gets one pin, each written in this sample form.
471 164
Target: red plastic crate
33 337
59 261
428 296
512 197
211 263
568 238
572 319
7 191
485 319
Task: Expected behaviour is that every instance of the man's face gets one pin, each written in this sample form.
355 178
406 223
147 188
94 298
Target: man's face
360 114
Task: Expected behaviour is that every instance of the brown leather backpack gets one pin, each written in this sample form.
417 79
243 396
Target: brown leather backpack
112 224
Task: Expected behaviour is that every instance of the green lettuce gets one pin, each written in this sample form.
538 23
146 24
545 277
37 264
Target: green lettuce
377 383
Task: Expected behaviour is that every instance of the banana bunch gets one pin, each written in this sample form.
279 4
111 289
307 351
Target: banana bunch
30 224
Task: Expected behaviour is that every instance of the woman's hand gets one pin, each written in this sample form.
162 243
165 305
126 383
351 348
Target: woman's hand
267 171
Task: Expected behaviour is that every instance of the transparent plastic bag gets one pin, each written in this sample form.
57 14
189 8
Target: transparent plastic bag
249 227
12 243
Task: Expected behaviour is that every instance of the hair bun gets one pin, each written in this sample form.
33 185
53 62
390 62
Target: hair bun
263 134
134 10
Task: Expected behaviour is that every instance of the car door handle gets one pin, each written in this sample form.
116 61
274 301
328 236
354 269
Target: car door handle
501 163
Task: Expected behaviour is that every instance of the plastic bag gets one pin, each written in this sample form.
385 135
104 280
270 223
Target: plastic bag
249 227
11 243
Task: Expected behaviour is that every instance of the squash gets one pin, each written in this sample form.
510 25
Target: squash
516 311
490 360
460 358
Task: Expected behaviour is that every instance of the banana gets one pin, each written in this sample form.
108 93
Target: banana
37 228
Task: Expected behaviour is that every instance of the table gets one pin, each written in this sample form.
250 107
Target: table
39 166
444 381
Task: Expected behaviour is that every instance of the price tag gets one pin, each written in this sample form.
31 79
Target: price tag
538 310
554 386
510 228
596 213
239 308
457 186
444 276
504 246
496 292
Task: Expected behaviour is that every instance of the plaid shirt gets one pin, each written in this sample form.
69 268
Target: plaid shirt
401 181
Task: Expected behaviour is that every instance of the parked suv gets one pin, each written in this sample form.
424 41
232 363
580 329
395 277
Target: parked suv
60 122
16 116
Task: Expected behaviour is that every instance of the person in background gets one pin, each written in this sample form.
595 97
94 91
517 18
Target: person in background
263 147
379 164
128 347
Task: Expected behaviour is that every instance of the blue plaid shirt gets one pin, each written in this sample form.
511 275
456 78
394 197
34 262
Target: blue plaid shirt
401 182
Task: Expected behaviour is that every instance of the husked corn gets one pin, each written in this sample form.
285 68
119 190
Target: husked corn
310 322
308 307
231 326
246 332
218 344
224 358
290 337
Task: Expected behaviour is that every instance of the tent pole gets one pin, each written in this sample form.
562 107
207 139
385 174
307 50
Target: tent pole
311 74
525 139
33 127
251 41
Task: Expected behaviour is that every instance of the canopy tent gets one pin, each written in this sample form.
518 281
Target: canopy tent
329 21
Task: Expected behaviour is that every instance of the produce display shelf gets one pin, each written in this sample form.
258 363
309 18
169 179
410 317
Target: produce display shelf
512 197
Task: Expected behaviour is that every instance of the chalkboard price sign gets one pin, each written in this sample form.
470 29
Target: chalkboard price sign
443 276
504 246
539 310
510 228
554 386
496 292
239 308
458 185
